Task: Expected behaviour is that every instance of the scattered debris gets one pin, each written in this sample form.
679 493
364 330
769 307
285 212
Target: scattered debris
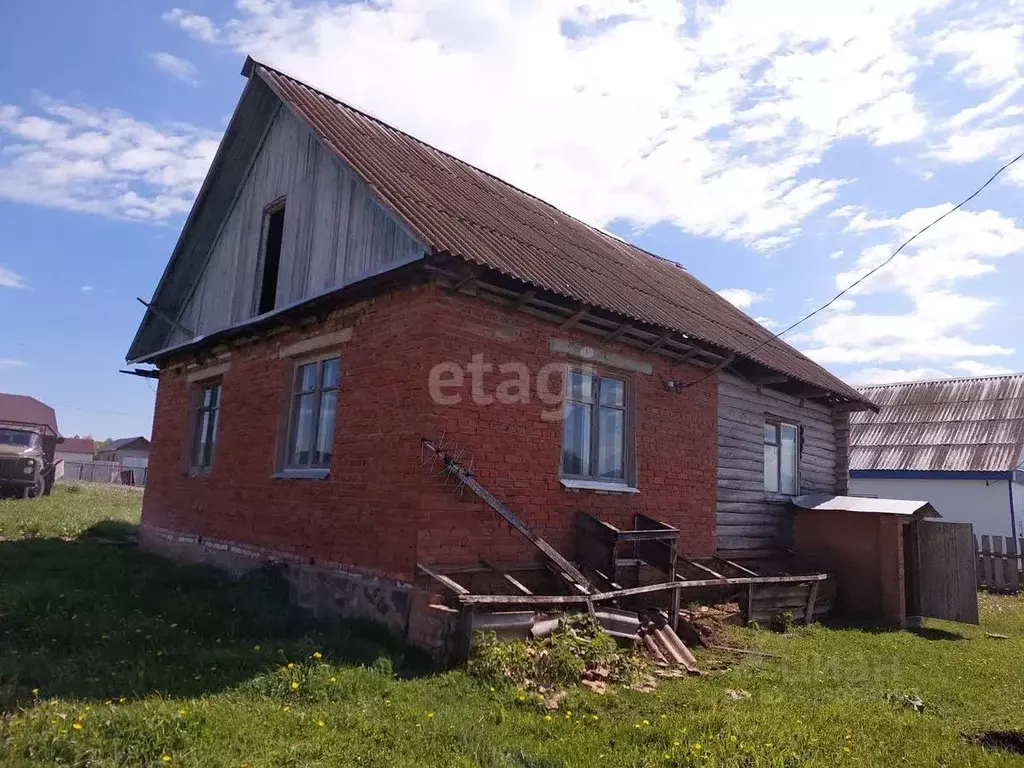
664 645
997 636
734 694
704 625
1010 741
911 702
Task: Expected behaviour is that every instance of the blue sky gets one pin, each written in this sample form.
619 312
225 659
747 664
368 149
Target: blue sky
777 150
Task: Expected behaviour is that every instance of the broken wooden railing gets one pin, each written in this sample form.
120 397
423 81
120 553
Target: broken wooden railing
999 563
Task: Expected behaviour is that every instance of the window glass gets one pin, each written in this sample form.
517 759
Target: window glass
787 459
612 431
594 432
771 468
781 458
205 422
313 414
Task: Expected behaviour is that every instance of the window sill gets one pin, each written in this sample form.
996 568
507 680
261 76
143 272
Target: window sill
301 474
597 485
199 471
779 498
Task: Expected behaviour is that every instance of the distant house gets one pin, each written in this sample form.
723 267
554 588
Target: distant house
22 410
957 443
129 452
79 449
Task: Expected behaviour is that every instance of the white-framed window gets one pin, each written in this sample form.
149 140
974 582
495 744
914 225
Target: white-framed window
205 419
313 409
595 430
781 457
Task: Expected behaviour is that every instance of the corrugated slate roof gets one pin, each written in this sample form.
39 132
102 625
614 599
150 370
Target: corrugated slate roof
953 425
459 210
22 409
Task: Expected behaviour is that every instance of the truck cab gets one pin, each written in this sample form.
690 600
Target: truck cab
25 469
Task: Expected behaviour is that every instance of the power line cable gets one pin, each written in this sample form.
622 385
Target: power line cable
773 337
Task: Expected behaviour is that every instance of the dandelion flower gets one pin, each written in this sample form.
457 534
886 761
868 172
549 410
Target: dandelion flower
333 680
675 743
593 717
290 665
732 739
295 685
320 723
77 726
35 691
317 655
183 712
286 709
166 758
430 714
647 722
547 717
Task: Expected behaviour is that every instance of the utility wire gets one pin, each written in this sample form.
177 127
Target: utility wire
718 368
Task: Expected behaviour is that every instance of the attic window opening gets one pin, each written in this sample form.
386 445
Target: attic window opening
273 233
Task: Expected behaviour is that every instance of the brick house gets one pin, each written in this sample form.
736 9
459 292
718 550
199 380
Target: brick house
342 290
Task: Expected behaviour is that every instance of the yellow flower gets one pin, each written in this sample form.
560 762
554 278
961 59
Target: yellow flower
333 680
547 717
430 714
647 722
320 723
121 700
35 691
696 747
286 709
77 726
290 665
675 743
166 758
317 655
295 686
593 717
732 739
183 712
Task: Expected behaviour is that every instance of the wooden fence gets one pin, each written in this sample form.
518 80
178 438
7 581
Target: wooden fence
999 563
103 472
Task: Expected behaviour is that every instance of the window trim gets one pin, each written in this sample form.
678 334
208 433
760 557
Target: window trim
257 292
590 481
778 422
283 470
198 387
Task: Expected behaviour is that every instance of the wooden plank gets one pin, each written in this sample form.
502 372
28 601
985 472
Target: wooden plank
1012 573
575 317
704 568
750 602
811 600
459 472
943 559
986 548
506 576
980 568
451 584
998 565
739 567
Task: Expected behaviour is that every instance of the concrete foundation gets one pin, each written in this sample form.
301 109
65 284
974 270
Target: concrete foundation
329 592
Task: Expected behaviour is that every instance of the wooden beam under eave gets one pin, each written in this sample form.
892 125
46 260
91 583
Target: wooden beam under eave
524 298
575 317
617 332
656 344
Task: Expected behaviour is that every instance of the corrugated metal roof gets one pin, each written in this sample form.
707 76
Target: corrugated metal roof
22 409
77 445
826 502
459 210
957 425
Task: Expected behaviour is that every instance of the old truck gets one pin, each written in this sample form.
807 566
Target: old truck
26 459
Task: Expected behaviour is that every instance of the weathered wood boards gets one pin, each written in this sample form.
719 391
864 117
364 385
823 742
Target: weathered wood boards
943 561
747 519
999 563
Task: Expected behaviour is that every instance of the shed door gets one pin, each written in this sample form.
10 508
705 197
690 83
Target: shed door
941 578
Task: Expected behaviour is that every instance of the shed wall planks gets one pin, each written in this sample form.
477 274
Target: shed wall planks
335 233
747 520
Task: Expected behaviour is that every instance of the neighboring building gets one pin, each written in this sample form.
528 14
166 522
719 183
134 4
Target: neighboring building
129 452
342 290
77 449
957 443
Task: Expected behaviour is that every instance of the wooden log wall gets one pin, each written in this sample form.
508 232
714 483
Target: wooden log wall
749 521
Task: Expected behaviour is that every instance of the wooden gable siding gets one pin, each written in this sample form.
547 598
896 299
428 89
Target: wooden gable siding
747 520
335 233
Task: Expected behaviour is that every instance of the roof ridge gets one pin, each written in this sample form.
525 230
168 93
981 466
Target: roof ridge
944 380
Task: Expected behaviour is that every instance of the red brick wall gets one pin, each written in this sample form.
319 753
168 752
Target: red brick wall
380 510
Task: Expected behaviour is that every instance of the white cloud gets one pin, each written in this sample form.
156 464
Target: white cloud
183 69
768 323
976 368
6 362
869 376
11 279
714 116
101 161
87 288
741 297
837 255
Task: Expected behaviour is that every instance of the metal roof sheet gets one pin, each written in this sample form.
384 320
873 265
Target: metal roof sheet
22 409
78 445
826 502
958 425
462 211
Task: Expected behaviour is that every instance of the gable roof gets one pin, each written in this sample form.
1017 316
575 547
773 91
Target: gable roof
462 212
22 409
951 425
77 445
124 443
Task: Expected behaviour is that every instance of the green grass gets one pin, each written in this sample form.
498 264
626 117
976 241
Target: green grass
154 660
